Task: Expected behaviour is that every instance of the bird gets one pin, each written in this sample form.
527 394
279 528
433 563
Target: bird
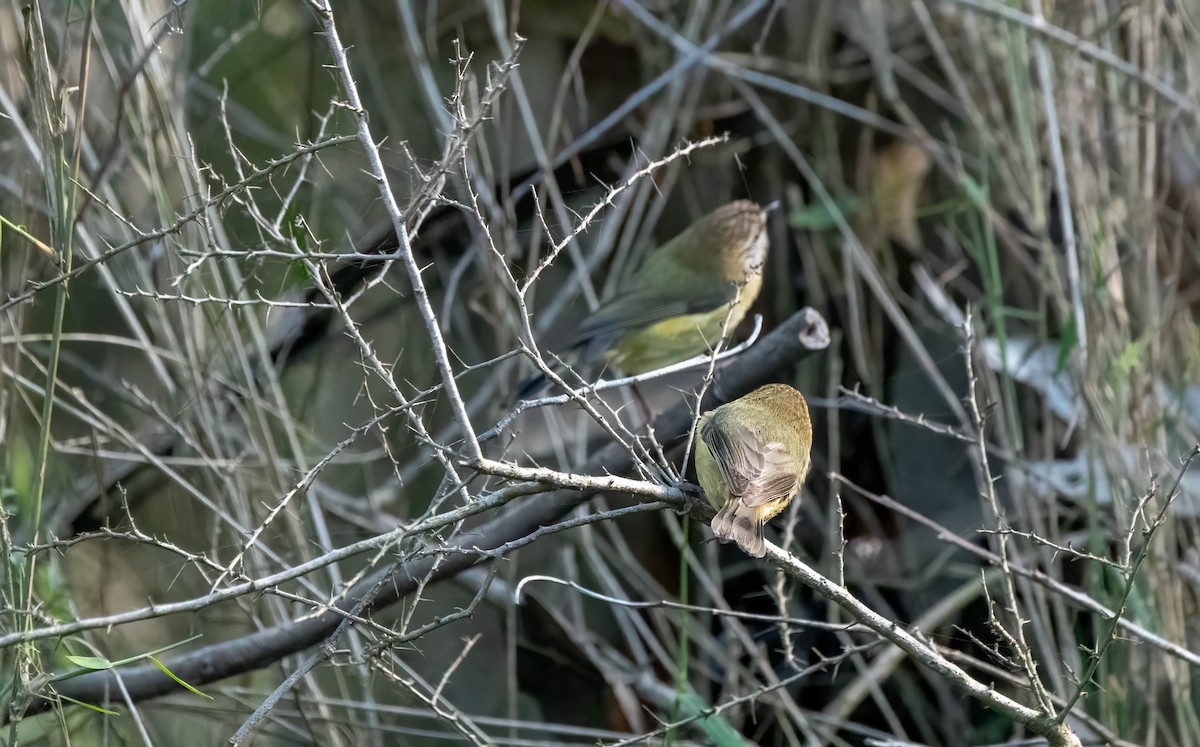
752 456
676 305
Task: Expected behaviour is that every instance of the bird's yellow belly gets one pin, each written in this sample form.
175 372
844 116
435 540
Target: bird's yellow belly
672 340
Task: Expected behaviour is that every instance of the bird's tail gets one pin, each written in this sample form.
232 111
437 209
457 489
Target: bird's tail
740 523
530 387
568 368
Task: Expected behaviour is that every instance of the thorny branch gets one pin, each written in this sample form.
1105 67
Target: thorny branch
531 520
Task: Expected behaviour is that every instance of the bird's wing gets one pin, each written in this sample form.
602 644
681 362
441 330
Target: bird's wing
641 308
756 472
729 455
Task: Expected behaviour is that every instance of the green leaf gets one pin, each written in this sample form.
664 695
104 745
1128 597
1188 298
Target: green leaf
818 217
1131 356
1068 338
716 728
171 674
90 662
976 191
89 706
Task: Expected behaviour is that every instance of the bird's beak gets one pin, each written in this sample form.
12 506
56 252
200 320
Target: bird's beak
771 206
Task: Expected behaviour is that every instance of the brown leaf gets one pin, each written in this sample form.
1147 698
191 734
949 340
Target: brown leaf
898 173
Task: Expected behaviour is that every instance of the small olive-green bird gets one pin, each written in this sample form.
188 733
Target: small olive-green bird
675 305
752 457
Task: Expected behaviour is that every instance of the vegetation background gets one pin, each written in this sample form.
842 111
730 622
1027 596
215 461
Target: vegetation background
239 442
